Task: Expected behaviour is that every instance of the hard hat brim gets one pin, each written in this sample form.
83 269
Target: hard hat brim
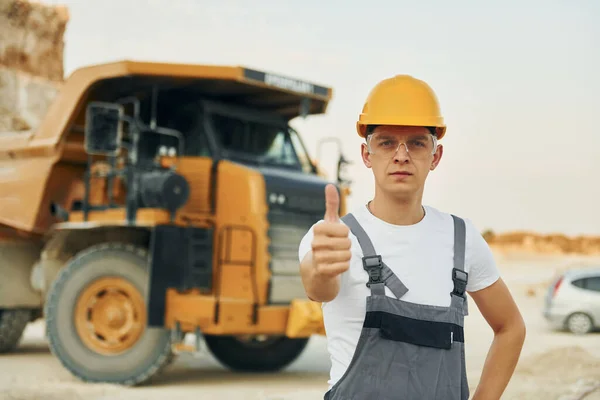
440 128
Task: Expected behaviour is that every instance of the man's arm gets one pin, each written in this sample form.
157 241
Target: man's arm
318 287
500 311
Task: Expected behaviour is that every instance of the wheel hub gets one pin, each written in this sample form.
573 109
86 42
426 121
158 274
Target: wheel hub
110 315
579 323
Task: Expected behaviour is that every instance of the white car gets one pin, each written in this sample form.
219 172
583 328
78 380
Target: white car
573 301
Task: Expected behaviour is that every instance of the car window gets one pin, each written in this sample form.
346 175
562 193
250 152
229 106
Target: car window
580 283
590 283
593 284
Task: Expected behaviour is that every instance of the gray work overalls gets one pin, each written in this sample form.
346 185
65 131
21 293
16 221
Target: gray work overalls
407 351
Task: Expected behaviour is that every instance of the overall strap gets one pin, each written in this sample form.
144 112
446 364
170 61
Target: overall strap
380 275
459 275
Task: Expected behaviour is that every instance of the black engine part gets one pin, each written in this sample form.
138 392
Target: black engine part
163 189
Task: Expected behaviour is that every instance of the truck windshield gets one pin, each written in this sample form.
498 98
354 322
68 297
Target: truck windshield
260 143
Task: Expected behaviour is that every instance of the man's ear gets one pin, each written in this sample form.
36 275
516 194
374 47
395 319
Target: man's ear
366 156
437 157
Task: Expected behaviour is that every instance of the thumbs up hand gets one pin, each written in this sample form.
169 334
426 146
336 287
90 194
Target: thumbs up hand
331 244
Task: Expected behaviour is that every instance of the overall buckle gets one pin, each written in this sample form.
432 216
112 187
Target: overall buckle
460 279
374 266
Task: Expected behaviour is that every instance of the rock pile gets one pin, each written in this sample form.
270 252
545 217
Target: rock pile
31 61
544 244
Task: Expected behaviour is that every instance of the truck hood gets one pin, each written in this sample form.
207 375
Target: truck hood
296 192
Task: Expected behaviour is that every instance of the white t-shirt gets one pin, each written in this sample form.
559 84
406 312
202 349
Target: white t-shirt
421 255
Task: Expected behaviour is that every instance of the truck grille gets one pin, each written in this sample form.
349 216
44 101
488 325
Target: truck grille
285 233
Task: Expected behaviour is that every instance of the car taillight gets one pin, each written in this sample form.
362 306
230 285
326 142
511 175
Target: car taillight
556 286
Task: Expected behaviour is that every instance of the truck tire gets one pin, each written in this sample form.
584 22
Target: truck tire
255 355
12 325
96 317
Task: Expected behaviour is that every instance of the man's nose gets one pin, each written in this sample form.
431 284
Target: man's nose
401 153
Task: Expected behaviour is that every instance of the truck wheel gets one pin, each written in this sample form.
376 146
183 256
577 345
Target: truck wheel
255 353
12 325
96 317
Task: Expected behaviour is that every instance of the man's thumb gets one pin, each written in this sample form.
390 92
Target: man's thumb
332 203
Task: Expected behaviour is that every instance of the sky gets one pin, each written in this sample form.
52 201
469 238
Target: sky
518 83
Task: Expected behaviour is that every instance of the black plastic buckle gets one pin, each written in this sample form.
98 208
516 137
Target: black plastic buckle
374 266
460 279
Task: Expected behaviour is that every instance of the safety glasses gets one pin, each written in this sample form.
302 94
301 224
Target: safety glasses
417 146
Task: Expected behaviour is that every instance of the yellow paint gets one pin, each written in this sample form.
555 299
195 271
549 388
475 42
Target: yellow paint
305 319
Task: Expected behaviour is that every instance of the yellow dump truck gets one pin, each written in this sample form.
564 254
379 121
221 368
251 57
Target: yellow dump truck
156 200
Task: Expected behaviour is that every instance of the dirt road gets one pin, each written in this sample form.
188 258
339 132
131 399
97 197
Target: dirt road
554 365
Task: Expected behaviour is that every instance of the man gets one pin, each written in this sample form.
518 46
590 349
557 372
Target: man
392 275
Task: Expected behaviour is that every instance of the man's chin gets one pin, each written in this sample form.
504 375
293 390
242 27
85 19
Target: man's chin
401 189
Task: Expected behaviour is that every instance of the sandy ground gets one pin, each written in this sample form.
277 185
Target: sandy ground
553 365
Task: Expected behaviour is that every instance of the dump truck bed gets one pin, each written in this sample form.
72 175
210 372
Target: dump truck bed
26 188
262 90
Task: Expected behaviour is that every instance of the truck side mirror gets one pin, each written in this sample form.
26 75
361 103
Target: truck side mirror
103 128
342 170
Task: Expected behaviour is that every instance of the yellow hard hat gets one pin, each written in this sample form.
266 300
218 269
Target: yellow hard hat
402 100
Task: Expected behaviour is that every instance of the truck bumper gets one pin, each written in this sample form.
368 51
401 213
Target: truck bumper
305 319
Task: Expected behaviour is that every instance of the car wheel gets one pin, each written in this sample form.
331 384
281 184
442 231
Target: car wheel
580 323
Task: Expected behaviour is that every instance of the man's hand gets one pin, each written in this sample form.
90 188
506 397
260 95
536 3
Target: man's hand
330 255
331 245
